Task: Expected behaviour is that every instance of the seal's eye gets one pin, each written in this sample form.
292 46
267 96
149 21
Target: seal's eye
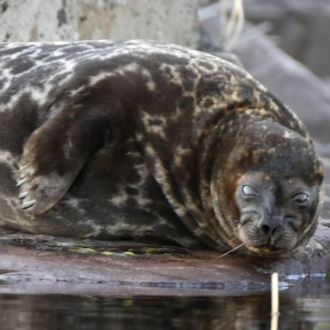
249 191
300 199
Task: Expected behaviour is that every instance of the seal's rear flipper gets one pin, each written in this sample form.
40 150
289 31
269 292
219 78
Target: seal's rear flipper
54 155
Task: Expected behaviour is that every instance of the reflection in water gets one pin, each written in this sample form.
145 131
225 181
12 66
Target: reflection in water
73 312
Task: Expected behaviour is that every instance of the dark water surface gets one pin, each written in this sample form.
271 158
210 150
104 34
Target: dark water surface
306 305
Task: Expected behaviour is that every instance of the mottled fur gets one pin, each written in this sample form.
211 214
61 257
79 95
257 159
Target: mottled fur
118 140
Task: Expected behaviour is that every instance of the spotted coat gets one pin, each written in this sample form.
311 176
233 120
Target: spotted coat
110 139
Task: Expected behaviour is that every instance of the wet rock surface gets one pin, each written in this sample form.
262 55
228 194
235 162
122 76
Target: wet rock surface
45 269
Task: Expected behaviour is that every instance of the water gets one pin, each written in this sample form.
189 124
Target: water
306 305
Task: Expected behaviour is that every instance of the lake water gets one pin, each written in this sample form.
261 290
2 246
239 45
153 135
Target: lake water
305 305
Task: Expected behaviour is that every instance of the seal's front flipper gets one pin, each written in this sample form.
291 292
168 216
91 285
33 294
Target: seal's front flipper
54 155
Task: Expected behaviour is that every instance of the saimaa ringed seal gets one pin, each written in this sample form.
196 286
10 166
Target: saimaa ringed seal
143 140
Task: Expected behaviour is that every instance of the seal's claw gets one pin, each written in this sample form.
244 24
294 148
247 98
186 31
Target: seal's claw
23 167
23 194
27 183
28 204
38 193
21 181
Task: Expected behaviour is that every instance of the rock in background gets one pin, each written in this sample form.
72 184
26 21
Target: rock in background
38 20
289 80
302 27
272 52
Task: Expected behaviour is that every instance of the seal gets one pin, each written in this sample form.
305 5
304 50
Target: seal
143 141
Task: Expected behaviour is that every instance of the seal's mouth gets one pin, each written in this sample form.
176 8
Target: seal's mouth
265 249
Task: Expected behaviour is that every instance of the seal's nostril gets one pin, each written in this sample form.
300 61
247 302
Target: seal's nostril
274 231
265 229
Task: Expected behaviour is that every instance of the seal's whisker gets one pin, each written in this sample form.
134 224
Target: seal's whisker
230 251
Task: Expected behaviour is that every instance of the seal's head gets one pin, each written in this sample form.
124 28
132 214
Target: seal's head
270 200
274 213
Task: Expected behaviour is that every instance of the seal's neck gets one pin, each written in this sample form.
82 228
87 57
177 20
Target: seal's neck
219 155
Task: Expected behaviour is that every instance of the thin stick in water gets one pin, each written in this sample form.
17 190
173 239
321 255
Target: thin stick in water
275 302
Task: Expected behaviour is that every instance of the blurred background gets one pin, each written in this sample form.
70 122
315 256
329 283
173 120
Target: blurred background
284 43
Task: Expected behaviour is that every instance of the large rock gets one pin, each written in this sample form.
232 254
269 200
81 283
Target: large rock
170 20
289 80
302 27
209 18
